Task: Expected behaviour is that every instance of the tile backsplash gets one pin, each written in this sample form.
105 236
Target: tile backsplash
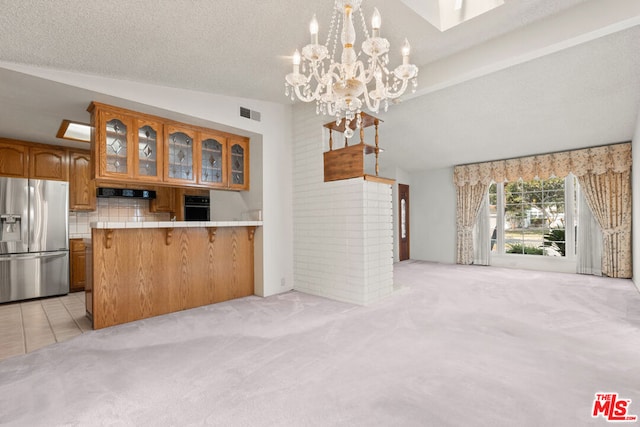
113 210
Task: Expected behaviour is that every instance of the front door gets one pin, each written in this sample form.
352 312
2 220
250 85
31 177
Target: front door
403 214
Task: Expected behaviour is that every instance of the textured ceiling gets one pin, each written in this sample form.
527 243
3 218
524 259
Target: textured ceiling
584 92
237 48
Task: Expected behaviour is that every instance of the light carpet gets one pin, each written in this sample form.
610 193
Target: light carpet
453 346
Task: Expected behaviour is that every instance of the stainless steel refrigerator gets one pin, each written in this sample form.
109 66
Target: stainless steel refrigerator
34 238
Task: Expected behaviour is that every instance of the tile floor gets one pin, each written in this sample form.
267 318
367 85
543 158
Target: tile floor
30 325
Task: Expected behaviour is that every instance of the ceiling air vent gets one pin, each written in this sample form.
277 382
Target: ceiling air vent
249 114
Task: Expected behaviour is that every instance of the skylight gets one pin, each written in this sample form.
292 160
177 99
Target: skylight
446 14
74 131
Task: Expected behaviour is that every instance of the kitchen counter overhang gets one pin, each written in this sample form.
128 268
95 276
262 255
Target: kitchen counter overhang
137 270
174 224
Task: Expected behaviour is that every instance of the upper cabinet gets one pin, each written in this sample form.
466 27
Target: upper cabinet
165 200
180 155
148 144
82 189
125 147
213 160
117 160
48 163
133 147
224 161
14 159
27 160
239 164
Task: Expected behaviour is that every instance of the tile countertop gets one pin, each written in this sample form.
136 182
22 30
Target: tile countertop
174 224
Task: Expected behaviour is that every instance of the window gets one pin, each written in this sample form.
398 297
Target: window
534 217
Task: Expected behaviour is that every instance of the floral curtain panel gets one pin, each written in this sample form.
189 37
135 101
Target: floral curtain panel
469 199
604 174
609 198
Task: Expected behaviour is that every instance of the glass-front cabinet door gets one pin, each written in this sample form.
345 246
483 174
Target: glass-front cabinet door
239 164
213 156
179 156
149 138
116 159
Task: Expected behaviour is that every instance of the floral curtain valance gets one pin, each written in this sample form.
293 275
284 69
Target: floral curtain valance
597 161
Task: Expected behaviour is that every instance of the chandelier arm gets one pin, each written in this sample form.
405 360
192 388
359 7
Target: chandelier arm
332 71
399 92
332 74
370 72
312 97
314 71
361 72
372 107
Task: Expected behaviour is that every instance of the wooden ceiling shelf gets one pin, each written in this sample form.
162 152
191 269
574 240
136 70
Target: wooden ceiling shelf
348 162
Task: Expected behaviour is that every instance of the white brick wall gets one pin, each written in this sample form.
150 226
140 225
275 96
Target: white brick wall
343 237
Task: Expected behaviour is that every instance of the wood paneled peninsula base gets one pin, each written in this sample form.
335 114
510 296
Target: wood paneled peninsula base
140 270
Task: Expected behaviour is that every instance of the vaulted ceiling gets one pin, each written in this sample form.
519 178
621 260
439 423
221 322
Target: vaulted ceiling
530 76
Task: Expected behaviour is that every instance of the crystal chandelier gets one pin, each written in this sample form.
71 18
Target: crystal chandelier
342 88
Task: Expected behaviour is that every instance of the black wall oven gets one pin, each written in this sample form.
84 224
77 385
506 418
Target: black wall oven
196 208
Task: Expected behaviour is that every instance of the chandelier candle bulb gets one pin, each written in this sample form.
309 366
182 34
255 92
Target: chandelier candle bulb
313 29
406 50
296 62
376 21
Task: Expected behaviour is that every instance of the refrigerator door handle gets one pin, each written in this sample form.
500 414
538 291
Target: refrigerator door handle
32 256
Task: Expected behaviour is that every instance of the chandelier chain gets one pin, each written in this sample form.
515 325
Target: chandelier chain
333 30
364 23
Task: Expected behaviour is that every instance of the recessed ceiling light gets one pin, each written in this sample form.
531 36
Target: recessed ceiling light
74 131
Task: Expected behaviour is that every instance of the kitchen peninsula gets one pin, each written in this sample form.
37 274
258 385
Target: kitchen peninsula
137 270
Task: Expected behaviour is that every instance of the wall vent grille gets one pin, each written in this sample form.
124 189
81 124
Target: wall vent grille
249 114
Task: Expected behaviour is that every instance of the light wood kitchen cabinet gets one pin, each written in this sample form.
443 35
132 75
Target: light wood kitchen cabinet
214 163
82 189
14 159
134 147
239 164
224 161
180 156
22 159
148 146
77 260
111 147
165 200
126 147
48 163
172 269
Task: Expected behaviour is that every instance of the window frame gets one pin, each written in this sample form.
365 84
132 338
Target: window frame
570 219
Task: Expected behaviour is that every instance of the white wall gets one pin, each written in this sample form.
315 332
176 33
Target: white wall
343 237
433 216
273 133
635 188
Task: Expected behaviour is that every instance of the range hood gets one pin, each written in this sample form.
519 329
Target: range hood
125 192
